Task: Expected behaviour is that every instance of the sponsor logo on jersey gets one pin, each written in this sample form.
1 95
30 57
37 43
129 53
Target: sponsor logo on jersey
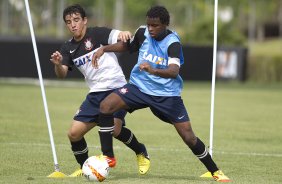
154 59
83 59
88 44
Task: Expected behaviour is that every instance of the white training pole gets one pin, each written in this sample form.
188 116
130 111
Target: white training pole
213 75
41 85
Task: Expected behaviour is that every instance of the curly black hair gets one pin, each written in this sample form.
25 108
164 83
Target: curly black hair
159 12
73 9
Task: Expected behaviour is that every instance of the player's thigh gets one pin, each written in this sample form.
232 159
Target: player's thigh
78 129
112 103
168 109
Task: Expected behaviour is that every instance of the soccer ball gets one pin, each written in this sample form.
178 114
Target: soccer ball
96 168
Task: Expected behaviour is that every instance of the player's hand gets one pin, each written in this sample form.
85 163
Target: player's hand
96 56
56 58
124 36
146 67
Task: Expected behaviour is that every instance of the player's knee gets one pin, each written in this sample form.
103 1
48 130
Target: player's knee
74 136
190 140
105 107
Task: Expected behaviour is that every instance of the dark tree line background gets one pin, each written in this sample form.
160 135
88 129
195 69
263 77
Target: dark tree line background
239 21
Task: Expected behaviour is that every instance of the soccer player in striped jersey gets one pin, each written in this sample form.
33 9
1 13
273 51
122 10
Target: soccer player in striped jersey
78 52
155 83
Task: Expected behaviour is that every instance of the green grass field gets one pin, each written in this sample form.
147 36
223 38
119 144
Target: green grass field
247 136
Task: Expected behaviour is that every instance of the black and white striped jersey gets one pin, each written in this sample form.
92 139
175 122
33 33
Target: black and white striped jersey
109 75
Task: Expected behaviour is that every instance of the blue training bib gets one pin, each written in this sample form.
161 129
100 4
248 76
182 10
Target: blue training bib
155 52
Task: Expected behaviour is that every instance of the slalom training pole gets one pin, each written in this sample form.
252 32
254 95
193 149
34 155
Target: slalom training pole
57 173
208 174
213 76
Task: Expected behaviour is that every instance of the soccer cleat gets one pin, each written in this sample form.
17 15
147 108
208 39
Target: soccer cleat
111 160
143 161
220 177
77 173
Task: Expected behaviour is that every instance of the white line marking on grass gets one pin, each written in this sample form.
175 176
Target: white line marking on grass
223 152
249 154
34 81
149 148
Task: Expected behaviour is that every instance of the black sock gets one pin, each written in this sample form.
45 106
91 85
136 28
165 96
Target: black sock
129 139
106 123
80 151
201 152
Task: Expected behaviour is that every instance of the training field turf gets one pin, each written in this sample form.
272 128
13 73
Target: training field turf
247 136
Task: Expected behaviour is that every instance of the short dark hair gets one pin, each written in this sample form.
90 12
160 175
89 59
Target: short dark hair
73 9
159 12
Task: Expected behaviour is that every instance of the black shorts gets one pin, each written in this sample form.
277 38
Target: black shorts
89 109
168 109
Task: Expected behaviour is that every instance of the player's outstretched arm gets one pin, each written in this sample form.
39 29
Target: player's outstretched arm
60 70
117 47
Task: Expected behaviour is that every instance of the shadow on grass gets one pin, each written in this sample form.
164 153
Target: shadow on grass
157 177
